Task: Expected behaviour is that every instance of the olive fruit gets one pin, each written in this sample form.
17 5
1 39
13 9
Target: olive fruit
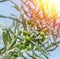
42 34
27 38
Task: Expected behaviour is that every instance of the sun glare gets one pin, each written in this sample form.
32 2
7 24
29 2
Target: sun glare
51 6
58 5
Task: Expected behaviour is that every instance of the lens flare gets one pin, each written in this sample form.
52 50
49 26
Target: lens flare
50 7
58 5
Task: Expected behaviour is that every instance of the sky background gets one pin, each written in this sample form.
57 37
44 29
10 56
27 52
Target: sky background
6 9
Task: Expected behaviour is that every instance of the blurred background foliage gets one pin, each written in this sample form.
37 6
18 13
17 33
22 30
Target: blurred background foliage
30 34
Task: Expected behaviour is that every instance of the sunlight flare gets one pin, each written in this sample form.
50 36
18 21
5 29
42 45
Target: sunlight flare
50 7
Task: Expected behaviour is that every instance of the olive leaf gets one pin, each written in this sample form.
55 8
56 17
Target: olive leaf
3 0
12 18
5 40
15 5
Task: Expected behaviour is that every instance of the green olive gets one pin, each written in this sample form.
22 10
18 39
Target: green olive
25 33
28 22
27 43
42 39
27 38
42 33
23 46
43 36
15 54
28 48
17 45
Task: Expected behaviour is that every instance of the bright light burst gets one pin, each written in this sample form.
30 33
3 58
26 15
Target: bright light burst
58 5
50 5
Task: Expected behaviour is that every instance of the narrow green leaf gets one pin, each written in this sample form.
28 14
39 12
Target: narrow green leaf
51 45
45 55
24 57
24 22
1 50
36 55
31 56
3 0
53 48
15 6
12 18
13 43
9 36
13 15
5 41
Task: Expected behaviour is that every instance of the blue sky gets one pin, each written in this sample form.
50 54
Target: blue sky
6 9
